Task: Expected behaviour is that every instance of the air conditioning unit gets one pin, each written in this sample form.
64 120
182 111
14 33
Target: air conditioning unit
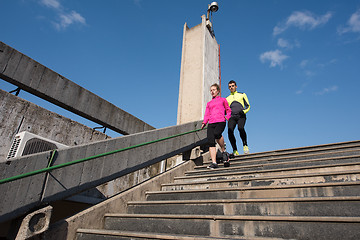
26 143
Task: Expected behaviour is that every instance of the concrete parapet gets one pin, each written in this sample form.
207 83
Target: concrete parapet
65 182
43 82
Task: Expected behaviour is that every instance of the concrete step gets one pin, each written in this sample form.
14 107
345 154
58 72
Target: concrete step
276 191
267 172
343 146
306 206
342 160
289 179
289 157
303 227
101 234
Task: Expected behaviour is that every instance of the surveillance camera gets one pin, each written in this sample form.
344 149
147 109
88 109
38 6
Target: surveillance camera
213 7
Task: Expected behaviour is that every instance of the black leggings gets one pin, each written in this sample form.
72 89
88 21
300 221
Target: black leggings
214 131
240 121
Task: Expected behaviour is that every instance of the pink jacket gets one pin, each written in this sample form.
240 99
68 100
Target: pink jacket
215 110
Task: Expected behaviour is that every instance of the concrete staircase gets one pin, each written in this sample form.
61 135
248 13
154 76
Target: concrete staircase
302 193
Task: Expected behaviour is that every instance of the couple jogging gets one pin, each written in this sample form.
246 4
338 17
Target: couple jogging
218 110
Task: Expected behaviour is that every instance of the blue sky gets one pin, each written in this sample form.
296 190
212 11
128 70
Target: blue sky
298 61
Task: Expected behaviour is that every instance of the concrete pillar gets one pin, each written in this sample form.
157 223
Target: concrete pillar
199 70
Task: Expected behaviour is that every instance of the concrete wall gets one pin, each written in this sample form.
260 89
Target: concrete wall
41 81
17 115
199 70
62 183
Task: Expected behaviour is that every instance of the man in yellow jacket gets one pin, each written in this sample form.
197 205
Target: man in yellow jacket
239 105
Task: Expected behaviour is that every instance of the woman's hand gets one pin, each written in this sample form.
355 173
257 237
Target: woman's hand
203 125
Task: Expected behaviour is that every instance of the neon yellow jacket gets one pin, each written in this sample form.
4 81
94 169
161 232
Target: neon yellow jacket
237 102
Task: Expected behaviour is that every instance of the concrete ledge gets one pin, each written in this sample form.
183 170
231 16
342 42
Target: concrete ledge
70 180
31 76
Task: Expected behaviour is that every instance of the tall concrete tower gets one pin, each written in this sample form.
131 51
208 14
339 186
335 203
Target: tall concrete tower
200 68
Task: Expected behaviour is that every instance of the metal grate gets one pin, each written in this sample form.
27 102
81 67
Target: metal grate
36 145
14 147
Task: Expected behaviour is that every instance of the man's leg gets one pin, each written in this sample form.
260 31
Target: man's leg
231 127
241 128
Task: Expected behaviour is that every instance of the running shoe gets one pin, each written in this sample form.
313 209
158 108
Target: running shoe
236 153
225 156
213 166
246 149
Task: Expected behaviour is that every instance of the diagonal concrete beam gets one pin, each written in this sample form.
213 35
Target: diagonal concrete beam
31 76
23 195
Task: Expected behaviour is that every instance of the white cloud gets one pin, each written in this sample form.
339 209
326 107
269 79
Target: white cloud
309 73
303 63
275 57
302 20
51 3
353 24
327 90
283 43
66 18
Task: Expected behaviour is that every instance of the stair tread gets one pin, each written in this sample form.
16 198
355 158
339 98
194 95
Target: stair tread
275 157
220 201
219 170
259 187
238 217
315 148
265 171
164 236
263 178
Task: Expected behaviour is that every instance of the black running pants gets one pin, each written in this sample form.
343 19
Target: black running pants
240 121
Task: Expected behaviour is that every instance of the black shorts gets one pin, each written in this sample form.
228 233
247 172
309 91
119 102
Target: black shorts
214 131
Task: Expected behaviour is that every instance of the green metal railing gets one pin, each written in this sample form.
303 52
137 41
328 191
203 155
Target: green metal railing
49 168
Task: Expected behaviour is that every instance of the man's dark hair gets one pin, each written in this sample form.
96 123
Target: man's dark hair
232 81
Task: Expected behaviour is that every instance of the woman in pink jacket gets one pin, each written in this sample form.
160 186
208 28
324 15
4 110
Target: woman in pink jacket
216 113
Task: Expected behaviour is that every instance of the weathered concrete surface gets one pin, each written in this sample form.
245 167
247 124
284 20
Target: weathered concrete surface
199 70
93 217
65 182
35 223
41 81
17 115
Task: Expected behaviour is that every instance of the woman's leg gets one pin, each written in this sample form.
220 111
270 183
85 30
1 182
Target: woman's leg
221 142
212 151
218 134
211 139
